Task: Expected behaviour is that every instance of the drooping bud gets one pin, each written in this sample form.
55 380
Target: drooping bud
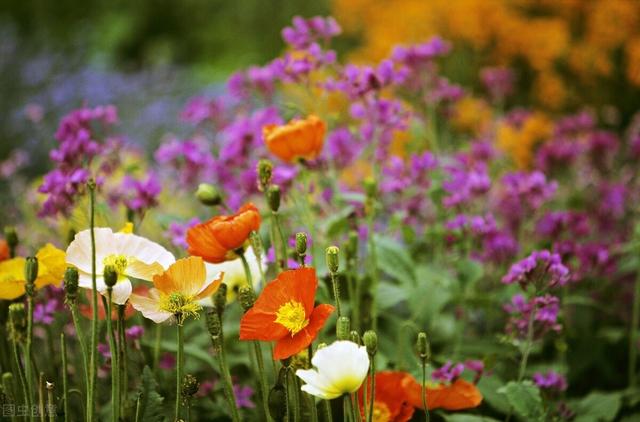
17 325
351 247
110 275
422 346
343 328
370 340
11 236
273 197
355 337
220 299
278 398
301 245
190 387
71 284
265 171
208 195
214 325
30 275
333 260
246 297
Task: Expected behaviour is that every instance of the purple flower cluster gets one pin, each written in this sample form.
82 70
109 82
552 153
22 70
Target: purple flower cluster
522 194
495 244
538 268
542 311
177 232
191 160
305 32
552 380
498 81
465 182
448 372
140 195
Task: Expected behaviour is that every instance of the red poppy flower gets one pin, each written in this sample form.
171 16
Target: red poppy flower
4 250
284 313
297 139
458 395
217 240
390 401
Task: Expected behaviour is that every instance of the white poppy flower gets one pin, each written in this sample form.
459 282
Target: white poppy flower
234 275
131 255
341 369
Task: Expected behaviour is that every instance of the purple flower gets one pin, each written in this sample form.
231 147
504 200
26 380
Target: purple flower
134 332
103 349
522 194
199 109
464 183
190 159
304 32
177 232
140 196
498 81
243 395
550 381
167 361
543 309
44 313
448 372
540 266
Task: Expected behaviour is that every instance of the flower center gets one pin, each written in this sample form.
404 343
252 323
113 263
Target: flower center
381 412
292 316
181 306
119 262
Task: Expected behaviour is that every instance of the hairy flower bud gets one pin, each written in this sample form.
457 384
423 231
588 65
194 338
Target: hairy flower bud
17 325
273 197
220 299
214 325
110 275
30 275
277 402
265 171
422 346
190 387
355 337
246 297
370 340
343 328
11 236
301 243
208 195
71 284
333 260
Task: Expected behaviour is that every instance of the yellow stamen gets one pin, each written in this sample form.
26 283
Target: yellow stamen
292 316
119 262
181 306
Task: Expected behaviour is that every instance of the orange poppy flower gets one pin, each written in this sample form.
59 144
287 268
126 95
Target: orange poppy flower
4 250
217 239
390 401
458 395
297 139
284 313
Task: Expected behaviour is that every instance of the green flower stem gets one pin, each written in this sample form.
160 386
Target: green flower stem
91 402
424 390
356 408
65 396
41 397
113 348
326 404
82 341
336 293
123 358
283 241
179 367
9 389
218 345
292 387
633 334
374 272
21 377
372 373
28 364
50 405
157 347
527 346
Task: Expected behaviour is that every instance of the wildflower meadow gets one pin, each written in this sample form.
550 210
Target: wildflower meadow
349 231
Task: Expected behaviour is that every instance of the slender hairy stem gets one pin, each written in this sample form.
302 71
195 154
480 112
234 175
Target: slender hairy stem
347 413
374 274
247 270
51 402
264 390
336 292
123 358
356 405
157 347
218 345
21 377
283 241
113 347
292 386
65 396
28 365
527 346
328 417
91 403
9 390
373 387
41 397
82 341
424 391
633 334
179 369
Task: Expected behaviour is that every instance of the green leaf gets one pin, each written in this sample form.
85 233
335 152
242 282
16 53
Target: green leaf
489 386
148 404
394 260
598 407
470 271
390 295
524 398
463 417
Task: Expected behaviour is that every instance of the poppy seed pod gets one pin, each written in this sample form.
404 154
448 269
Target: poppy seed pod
343 328
273 197
220 299
30 275
355 337
214 325
265 171
301 243
110 275
370 340
71 284
422 345
246 297
333 260
208 195
190 387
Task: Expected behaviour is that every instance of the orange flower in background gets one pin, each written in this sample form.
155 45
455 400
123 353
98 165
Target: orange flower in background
458 395
217 239
295 140
4 250
390 403
284 313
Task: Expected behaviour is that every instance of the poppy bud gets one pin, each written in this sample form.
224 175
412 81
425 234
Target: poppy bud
214 325
17 326
208 195
370 187
190 387
273 197
343 328
370 340
332 258
11 236
355 337
301 243
246 297
71 284
30 275
351 247
422 346
265 171
277 403
220 299
110 276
